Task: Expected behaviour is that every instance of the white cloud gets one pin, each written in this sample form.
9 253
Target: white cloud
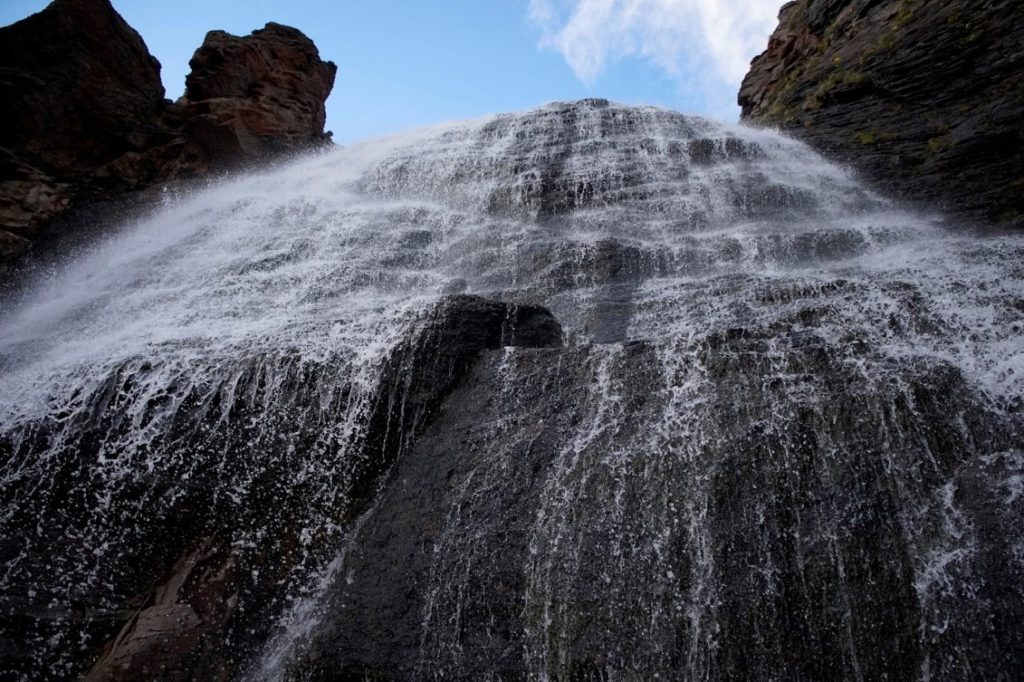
715 39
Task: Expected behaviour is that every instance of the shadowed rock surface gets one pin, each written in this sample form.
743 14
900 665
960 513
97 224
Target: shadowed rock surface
503 544
184 600
84 112
82 95
924 97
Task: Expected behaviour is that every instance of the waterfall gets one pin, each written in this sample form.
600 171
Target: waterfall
777 429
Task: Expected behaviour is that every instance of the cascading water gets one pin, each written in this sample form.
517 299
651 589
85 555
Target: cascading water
778 436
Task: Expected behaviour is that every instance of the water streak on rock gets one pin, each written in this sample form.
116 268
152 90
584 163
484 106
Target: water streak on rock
587 392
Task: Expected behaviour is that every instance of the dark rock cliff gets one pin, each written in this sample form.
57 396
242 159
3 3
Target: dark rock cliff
189 604
924 97
81 94
84 113
432 588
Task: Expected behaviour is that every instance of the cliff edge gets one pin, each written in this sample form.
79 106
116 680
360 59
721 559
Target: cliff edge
924 97
85 116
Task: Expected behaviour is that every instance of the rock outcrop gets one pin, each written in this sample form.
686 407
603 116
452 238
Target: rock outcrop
434 585
260 94
925 98
84 111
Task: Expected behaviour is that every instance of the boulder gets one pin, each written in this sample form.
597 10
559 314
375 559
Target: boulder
924 98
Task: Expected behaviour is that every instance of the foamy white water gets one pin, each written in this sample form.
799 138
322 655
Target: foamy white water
627 223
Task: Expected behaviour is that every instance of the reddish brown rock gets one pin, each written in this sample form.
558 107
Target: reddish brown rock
28 196
247 97
79 88
11 244
924 97
181 621
84 114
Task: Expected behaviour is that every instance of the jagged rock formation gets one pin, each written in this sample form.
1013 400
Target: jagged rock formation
84 112
257 95
924 97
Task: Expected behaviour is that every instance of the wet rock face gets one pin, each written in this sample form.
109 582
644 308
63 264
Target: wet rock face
84 111
541 524
705 408
258 94
192 578
589 161
924 97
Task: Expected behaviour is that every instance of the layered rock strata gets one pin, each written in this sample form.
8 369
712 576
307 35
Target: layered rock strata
924 97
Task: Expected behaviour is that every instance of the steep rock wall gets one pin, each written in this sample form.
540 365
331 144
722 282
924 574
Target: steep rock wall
187 599
80 92
924 97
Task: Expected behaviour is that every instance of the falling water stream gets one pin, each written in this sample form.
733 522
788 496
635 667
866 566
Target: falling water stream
783 431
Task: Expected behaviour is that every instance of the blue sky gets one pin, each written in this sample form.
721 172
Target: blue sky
405 63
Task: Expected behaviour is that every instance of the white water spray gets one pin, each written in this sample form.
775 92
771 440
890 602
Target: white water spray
627 223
